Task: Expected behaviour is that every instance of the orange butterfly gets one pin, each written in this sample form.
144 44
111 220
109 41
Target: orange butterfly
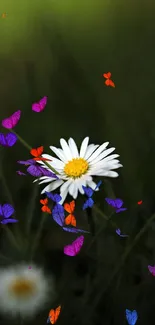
45 208
54 314
108 81
37 153
70 219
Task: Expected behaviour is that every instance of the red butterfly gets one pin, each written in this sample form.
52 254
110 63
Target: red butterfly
37 153
139 202
70 219
108 81
45 208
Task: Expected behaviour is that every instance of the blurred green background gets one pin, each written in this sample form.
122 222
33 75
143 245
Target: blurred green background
60 49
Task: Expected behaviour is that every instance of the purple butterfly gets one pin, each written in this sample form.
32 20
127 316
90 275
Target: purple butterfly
54 197
20 173
58 215
39 171
118 232
89 192
6 211
116 204
8 140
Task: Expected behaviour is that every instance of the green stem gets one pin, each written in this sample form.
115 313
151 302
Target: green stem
122 260
37 236
27 146
95 208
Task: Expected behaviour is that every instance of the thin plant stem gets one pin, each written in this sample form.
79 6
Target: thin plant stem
37 236
10 236
31 208
122 260
27 146
103 215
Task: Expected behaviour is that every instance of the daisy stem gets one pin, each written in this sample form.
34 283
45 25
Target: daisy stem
37 236
95 208
91 221
27 146
122 261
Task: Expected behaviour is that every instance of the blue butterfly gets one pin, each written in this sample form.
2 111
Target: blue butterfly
131 316
59 217
54 197
116 204
89 192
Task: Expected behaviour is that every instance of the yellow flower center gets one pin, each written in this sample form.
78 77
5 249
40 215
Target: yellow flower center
22 287
76 167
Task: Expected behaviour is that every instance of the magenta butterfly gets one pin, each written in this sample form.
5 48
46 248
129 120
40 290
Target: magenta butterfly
8 140
40 106
75 247
11 122
151 269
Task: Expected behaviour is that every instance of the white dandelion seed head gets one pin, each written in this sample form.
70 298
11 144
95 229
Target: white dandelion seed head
77 167
24 292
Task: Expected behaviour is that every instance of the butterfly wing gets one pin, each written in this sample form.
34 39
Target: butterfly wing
88 190
46 209
38 107
44 202
54 314
58 214
88 204
74 230
11 122
9 220
151 269
35 171
20 173
26 162
131 316
107 75
121 210
70 207
75 247
118 232
54 197
8 210
11 139
8 140
37 152
70 220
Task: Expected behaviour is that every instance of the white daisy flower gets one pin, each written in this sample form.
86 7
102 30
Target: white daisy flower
23 291
77 168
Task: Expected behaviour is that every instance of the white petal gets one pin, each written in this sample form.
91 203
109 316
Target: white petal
73 148
55 162
84 146
107 173
63 195
66 185
98 151
92 185
90 149
59 153
71 188
111 157
49 180
66 149
102 155
75 194
52 186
